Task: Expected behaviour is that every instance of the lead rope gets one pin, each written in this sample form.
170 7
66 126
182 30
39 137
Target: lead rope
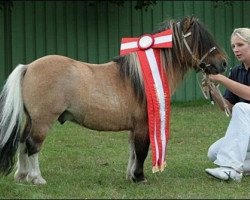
212 85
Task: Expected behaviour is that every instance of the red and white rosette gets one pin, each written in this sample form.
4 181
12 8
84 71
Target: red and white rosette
157 89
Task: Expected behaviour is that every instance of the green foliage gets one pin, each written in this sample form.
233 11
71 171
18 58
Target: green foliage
81 163
222 3
139 4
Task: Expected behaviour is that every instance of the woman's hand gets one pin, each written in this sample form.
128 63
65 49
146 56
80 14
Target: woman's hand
216 77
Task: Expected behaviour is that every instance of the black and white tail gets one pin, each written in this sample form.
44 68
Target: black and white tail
11 117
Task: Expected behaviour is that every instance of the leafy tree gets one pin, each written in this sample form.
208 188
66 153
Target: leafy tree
139 3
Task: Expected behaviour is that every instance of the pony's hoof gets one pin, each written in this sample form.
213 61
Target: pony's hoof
136 180
141 180
20 177
128 177
38 180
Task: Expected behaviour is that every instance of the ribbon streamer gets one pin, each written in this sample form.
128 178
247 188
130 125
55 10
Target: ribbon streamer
157 89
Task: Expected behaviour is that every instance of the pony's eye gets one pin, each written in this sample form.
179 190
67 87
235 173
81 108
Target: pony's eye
224 64
202 65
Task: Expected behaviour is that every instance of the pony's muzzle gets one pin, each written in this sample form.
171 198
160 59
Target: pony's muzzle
213 69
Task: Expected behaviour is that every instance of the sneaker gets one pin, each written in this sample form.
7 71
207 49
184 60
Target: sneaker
224 173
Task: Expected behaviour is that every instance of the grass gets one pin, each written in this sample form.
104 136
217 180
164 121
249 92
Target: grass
81 163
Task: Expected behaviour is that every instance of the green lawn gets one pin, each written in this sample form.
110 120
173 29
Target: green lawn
81 163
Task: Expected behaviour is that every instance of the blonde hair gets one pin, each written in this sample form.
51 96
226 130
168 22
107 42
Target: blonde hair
243 33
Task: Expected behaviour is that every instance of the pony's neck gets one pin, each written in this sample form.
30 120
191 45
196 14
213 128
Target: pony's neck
175 77
175 69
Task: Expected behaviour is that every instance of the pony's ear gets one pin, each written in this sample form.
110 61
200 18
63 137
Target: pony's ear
187 23
193 19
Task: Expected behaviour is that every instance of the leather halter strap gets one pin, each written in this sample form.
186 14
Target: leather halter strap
198 61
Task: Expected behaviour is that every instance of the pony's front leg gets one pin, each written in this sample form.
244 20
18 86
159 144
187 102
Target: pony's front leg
22 164
139 144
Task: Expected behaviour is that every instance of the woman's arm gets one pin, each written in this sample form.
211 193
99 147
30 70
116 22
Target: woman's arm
235 87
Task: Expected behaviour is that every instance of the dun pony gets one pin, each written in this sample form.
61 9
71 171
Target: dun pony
104 97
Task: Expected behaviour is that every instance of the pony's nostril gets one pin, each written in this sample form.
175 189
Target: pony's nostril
224 65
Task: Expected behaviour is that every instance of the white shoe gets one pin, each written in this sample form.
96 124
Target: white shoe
224 173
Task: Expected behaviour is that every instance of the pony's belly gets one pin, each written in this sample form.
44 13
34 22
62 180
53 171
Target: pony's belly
107 121
106 110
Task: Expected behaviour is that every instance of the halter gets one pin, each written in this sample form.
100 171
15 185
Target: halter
207 94
200 62
202 65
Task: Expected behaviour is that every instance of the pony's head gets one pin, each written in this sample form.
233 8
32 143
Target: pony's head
194 47
200 45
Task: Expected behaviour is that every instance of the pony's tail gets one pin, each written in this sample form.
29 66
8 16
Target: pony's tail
11 114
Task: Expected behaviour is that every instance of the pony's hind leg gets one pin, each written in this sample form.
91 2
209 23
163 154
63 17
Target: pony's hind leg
28 164
34 174
22 157
29 147
22 164
28 167
34 143
139 144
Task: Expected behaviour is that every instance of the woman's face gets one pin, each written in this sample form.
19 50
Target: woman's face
241 49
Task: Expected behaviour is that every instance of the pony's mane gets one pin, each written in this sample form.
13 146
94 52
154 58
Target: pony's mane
175 62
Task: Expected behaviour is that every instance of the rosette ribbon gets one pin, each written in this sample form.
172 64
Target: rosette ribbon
147 48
